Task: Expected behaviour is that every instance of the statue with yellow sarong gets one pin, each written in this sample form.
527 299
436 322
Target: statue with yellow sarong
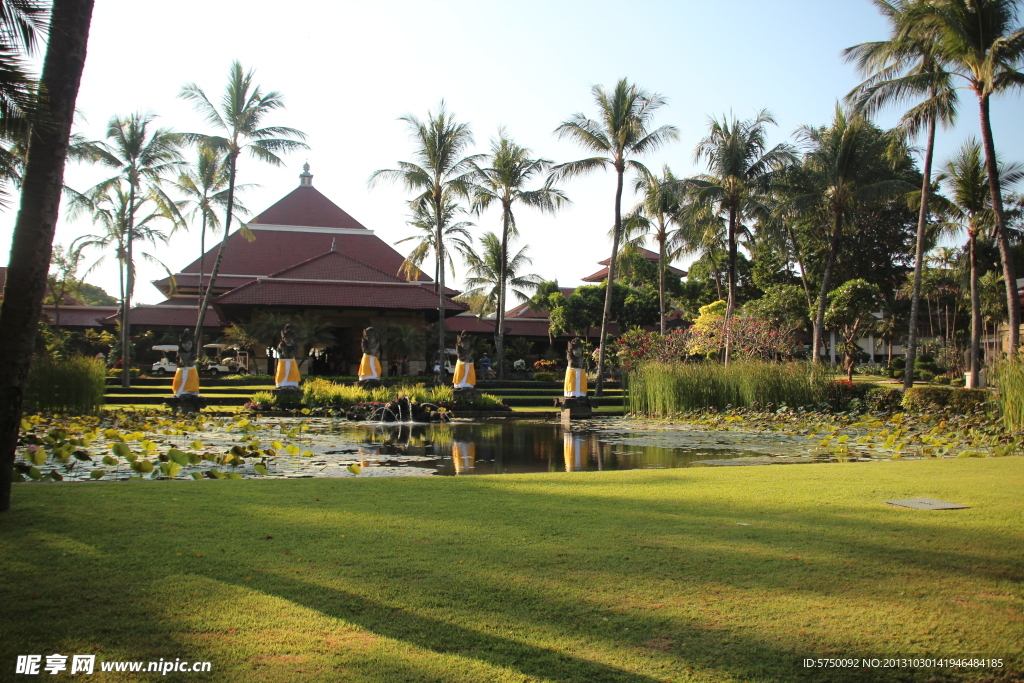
574 402
287 375
185 385
465 371
369 364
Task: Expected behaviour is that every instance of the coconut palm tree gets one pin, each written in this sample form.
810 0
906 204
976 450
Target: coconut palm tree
966 181
658 212
907 68
618 134
455 237
143 157
504 182
204 188
982 45
440 175
493 270
740 172
844 169
32 237
240 122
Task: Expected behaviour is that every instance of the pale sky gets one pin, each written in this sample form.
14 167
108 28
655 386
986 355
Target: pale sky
348 70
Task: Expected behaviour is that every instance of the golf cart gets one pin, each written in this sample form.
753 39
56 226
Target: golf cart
223 363
165 366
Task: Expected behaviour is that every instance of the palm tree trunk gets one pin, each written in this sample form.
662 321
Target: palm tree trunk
499 334
731 305
826 280
661 279
202 257
126 302
440 286
800 262
975 314
1005 255
32 240
915 300
601 350
208 295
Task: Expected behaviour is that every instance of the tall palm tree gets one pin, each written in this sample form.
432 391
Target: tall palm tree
240 121
142 157
906 68
658 212
843 170
454 237
440 174
504 182
740 172
204 188
982 45
967 182
493 270
619 133
32 238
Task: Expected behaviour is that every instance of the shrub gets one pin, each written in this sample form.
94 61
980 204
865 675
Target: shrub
1008 377
957 382
883 398
116 372
545 377
925 375
942 379
897 366
671 388
72 385
936 399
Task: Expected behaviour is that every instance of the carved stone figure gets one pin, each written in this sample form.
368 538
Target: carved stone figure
371 342
369 365
185 386
465 372
287 377
574 354
186 349
288 347
575 403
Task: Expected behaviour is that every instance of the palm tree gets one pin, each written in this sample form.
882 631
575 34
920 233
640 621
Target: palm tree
142 157
32 237
440 174
843 170
740 173
619 133
204 186
486 278
981 44
658 210
504 182
966 181
455 236
240 118
907 67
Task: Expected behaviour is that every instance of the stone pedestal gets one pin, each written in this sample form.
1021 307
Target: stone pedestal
368 383
576 408
286 396
464 394
186 404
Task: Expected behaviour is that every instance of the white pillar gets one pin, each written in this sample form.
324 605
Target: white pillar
832 347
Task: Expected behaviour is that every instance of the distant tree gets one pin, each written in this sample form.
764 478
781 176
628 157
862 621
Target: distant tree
850 312
493 270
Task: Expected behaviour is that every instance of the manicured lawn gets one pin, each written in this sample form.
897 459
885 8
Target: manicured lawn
704 574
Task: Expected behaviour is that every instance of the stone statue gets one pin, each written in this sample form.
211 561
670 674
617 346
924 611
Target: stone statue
185 385
574 354
186 349
465 372
369 365
574 402
287 375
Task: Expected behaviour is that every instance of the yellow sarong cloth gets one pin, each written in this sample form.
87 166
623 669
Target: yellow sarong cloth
575 458
287 374
575 382
463 455
186 381
465 375
369 367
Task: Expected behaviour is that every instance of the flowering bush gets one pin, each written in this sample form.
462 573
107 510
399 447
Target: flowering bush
545 365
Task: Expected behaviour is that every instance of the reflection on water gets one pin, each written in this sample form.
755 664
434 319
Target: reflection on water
499 447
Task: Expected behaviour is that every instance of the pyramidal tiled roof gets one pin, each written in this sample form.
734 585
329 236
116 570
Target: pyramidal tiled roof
335 266
306 207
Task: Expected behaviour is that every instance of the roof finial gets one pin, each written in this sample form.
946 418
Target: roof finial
305 178
334 244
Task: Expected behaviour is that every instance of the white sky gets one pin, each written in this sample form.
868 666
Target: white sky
348 70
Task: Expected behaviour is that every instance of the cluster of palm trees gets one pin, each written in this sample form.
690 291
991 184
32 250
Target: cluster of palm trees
154 191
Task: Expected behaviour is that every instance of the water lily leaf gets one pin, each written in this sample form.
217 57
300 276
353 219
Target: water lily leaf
178 456
122 450
37 457
196 445
109 460
26 426
305 411
197 475
34 473
233 475
242 424
276 445
308 454
82 455
237 451
55 475
215 474
147 445
194 459
145 466
355 469
260 469
98 474
18 477
292 449
170 469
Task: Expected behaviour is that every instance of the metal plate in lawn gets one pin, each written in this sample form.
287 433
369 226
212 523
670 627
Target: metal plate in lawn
926 504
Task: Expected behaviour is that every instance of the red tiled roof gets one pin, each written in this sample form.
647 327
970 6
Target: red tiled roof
524 310
284 292
80 316
333 265
305 206
602 275
168 313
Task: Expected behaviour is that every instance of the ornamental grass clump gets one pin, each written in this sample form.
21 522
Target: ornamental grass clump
663 389
69 385
1009 380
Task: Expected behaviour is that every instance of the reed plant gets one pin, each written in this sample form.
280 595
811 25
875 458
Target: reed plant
67 385
663 389
1008 376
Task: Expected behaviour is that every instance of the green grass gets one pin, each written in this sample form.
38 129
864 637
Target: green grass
703 574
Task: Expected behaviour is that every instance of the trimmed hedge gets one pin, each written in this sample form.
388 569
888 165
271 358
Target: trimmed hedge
927 399
883 398
545 377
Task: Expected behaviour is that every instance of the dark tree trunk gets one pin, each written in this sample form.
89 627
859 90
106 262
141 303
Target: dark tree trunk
826 280
1005 255
915 300
126 302
208 295
975 315
37 216
599 387
661 279
441 355
499 333
731 304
